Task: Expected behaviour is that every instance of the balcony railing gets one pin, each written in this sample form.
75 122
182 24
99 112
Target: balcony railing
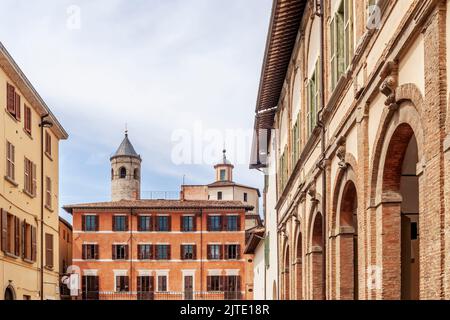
160 195
169 295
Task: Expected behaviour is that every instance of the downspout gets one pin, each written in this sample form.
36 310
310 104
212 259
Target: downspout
131 252
201 253
319 13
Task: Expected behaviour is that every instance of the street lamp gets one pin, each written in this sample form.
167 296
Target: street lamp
45 123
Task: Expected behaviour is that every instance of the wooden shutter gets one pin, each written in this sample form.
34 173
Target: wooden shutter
96 252
224 222
221 248
4 223
225 252
223 283
139 251
114 223
17 105
238 251
33 244
182 252
208 283
10 96
17 236
208 253
208 223
139 284
83 252
194 223
156 223
194 252
156 252
34 181
152 252
126 252
182 228
113 254
239 217
83 222
169 223
126 280
139 227
97 223
27 111
126 223
168 252
23 243
49 250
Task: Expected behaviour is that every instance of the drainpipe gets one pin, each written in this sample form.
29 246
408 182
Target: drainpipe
201 253
130 253
320 14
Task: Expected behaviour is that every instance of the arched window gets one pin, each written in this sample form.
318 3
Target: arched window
112 174
136 174
123 173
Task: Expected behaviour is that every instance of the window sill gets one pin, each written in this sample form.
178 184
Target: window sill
90 259
29 261
11 255
29 194
49 208
11 181
50 268
48 155
13 117
27 133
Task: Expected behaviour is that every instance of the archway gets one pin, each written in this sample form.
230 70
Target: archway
298 268
348 243
400 187
274 290
9 293
316 258
286 273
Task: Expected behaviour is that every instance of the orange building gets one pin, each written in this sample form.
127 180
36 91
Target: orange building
130 248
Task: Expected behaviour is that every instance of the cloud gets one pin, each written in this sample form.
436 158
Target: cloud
158 66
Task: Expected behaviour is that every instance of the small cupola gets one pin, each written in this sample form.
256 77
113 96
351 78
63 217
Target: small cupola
224 169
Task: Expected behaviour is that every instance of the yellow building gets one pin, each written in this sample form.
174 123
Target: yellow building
28 195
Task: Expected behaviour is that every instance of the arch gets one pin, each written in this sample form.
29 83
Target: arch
122 173
316 255
10 293
136 174
299 266
286 274
395 197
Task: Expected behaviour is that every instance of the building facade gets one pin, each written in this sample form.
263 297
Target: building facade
224 188
352 126
133 248
30 138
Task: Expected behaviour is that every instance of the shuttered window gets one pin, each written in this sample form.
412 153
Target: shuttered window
90 252
215 283
10 161
49 250
162 283
27 122
215 251
214 223
162 252
120 223
188 251
163 223
145 252
48 192
120 252
30 181
90 223
48 143
13 101
232 251
122 284
145 223
313 98
28 241
349 34
188 223
233 223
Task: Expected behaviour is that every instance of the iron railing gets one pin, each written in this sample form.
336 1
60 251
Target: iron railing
169 295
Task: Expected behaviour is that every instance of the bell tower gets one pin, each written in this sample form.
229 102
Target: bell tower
125 172
224 169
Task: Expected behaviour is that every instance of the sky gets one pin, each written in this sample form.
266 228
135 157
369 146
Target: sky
181 75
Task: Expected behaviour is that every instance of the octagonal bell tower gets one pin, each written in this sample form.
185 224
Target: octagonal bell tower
125 172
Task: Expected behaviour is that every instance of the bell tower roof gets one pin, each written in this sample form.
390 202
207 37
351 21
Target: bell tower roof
126 149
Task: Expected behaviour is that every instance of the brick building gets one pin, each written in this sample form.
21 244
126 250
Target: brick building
132 248
358 171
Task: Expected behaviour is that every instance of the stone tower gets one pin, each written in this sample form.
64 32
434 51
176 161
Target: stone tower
125 172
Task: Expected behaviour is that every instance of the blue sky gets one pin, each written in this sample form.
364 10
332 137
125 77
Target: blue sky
161 66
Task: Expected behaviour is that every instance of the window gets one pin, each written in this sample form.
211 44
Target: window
214 223
10 161
136 174
219 195
90 286
296 141
30 178
122 284
120 252
145 251
267 250
90 223
313 98
123 173
232 251
49 250
90 252
145 223
48 144
112 174
28 241
12 101
233 223
187 223
162 283
48 192
214 251
27 122
214 283
283 170
162 252
245 197
349 36
145 287
223 173
163 223
10 233
120 223
188 252
373 12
